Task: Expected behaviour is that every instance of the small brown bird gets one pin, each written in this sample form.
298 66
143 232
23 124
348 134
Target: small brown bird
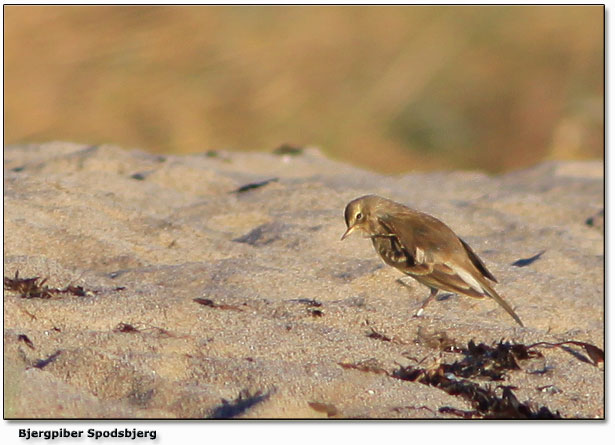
423 247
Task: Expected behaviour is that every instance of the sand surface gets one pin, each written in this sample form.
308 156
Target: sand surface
145 235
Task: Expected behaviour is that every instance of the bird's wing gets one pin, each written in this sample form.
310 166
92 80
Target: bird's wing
440 259
478 263
435 255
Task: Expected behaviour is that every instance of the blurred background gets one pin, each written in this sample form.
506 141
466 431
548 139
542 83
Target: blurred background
391 88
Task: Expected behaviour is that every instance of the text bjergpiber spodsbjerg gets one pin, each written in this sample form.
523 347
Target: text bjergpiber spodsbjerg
116 433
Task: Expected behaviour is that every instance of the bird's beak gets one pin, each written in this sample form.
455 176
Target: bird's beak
348 232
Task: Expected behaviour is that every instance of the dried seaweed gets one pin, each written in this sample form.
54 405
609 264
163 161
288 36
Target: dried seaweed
164 333
254 185
36 288
459 412
205 302
370 365
210 303
596 355
244 401
77 291
24 338
483 362
377 335
28 287
307 301
311 304
126 328
327 408
399 409
436 340
490 362
29 314
485 400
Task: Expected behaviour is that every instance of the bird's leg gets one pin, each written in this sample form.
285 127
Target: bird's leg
432 295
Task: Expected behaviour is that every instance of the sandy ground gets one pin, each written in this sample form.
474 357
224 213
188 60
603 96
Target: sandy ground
142 236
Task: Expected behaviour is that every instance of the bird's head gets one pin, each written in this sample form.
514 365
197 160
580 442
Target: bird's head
359 215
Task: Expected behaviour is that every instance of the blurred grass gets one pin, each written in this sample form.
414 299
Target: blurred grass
387 88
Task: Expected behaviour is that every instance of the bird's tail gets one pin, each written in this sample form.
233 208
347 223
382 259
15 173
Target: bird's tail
493 294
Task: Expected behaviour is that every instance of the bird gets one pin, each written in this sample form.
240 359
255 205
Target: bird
423 247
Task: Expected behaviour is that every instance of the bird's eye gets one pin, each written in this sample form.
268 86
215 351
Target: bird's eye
359 216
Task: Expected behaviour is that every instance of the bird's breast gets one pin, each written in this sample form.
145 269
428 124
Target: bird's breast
389 248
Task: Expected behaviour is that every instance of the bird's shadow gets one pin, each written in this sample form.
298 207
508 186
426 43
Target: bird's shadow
244 401
522 262
444 296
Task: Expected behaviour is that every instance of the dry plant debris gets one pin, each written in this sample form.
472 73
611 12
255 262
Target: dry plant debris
36 288
127 328
484 362
24 338
210 303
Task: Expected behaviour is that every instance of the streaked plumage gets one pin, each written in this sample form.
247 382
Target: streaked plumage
422 247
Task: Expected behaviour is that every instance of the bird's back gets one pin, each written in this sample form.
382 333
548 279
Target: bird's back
422 244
